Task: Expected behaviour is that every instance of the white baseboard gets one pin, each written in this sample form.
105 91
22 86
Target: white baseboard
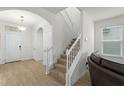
2 61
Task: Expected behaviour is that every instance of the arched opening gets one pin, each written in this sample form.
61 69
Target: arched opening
31 41
39 45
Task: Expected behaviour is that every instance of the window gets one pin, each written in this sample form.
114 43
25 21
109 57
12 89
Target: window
112 41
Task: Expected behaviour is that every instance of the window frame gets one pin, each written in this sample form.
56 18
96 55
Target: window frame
121 41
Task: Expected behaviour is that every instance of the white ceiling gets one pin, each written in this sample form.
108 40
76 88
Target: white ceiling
96 13
30 19
100 13
54 9
13 16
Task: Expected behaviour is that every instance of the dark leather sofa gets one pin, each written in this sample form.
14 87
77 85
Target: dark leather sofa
104 72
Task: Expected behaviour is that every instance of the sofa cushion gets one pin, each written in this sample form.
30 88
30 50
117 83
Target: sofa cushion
116 67
95 58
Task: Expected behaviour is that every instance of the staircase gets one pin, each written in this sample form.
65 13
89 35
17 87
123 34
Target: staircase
64 68
59 71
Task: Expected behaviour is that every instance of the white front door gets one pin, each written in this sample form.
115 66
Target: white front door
13 46
47 48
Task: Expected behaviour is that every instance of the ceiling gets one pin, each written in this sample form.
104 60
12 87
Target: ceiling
30 19
13 16
100 13
54 9
96 13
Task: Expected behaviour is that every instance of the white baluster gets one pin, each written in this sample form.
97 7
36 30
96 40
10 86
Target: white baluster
67 65
71 55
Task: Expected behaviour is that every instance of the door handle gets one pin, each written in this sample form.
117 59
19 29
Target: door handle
20 47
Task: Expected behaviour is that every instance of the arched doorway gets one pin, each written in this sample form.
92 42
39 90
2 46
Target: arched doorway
44 28
43 45
38 52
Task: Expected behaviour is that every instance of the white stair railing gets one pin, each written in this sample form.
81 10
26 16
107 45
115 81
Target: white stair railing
71 57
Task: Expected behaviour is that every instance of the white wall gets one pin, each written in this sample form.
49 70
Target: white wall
104 23
38 44
26 42
2 44
88 33
87 46
74 15
61 35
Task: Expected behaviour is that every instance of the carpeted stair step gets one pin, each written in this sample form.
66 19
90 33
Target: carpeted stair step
67 48
69 45
74 39
58 75
61 61
72 42
59 70
64 52
60 67
63 56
